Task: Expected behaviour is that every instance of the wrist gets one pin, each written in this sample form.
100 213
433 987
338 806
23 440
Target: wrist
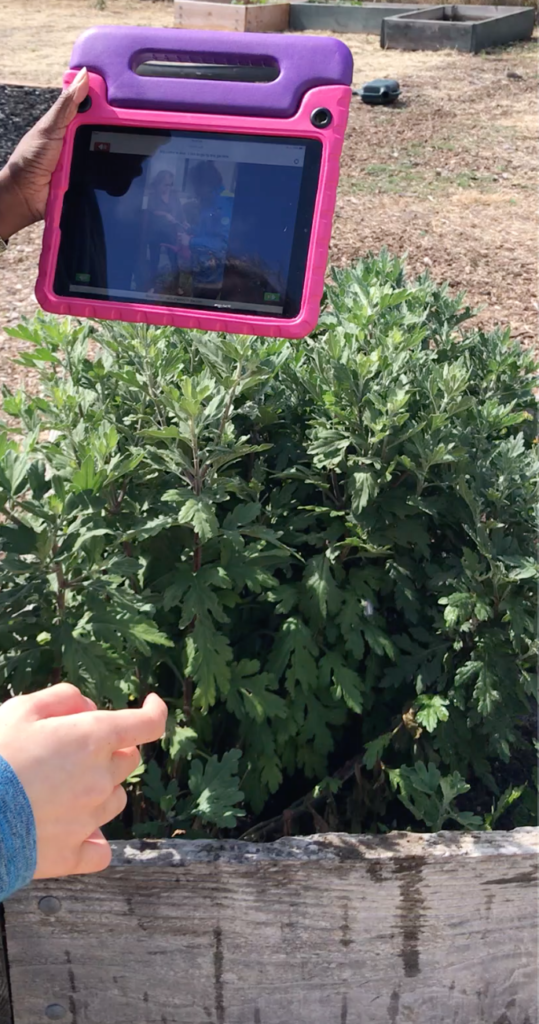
14 212
17 833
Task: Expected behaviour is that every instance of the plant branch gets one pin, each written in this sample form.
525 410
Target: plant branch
305 803
187 698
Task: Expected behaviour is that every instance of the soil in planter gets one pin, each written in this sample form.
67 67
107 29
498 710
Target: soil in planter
20 107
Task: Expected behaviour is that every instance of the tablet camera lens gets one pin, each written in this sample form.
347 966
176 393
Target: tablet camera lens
321 117
85 105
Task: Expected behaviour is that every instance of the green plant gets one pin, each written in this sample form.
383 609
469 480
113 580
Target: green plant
430 797
320 553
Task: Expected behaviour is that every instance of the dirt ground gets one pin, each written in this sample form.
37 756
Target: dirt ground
447 177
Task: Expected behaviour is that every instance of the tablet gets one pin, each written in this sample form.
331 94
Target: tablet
197 182
208 221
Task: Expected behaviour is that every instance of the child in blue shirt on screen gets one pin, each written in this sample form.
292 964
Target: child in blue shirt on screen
210 215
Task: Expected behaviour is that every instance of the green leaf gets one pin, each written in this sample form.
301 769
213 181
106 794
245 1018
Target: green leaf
215 788
162 432
199 513
293 655
508 797
150 527
174 594
468 819
375 748
181 742
202 601
425 778
146 633
84 659
252 692
452 786
13 470
350 619
210 655
242 515
323 595
153 786
346 684
85 478
327 785
363 487
485 692
86 535
431 710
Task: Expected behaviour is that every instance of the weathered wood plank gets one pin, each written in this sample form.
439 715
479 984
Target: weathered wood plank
403 929
6 1016
353 18
223 16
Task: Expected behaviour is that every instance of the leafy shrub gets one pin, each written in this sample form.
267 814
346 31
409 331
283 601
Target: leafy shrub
319 553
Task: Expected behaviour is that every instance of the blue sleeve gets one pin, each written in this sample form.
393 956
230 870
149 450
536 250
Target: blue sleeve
17 833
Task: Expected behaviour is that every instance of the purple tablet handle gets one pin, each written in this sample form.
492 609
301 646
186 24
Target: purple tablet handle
114 52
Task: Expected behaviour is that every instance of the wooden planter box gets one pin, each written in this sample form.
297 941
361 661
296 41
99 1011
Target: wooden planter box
457 27
328 17
272 17
332 929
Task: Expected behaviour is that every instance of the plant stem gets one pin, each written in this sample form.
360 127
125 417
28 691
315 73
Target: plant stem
187 698
287 816
229 403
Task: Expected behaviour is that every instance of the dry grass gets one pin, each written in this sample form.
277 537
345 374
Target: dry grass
448 177
37 35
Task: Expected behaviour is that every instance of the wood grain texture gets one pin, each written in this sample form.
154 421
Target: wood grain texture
194 14
271 17
219 16
402 929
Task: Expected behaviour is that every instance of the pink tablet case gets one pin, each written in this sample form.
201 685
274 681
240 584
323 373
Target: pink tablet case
314 72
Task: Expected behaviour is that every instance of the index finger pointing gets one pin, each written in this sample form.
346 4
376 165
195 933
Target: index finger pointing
133 726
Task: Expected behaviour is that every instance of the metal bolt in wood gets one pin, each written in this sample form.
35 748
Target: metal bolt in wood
49 905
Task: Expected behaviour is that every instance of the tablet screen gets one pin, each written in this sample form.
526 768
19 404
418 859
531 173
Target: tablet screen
188 219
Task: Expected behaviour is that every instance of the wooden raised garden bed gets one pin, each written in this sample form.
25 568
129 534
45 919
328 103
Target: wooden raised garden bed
357 18
457 27
332 929
196 14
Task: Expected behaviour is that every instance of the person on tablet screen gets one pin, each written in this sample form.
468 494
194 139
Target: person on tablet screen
208 216
164 224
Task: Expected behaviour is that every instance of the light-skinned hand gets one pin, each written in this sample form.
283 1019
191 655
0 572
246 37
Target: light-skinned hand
71 760
26 178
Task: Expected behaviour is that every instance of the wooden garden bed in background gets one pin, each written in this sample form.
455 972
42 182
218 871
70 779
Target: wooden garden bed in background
197 14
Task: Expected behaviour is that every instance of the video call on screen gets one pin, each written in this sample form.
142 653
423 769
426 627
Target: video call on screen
188 219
